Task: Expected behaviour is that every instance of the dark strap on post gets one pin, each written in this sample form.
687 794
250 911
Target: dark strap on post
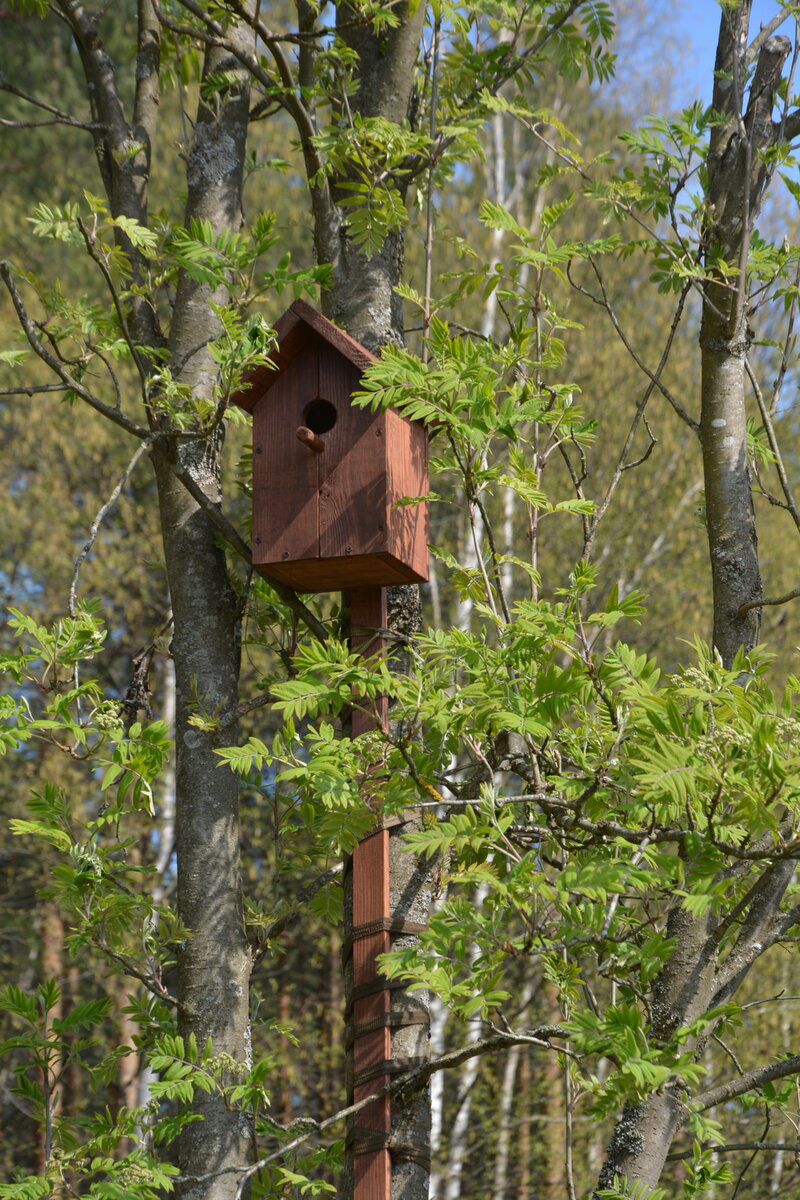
362 1140
380 925
389 1066
398 1019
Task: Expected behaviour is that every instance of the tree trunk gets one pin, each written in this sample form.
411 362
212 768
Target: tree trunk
51 936
214 960
458 1142
553 1128
504 1108
737 180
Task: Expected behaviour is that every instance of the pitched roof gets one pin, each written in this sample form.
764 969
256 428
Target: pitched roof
300 325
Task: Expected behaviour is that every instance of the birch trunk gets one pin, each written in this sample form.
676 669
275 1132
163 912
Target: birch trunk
504 1107
737 180
457 1148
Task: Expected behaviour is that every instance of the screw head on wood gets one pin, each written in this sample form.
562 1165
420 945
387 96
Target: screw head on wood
348 549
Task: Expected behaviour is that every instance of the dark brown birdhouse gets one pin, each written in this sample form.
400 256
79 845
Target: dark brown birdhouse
327 477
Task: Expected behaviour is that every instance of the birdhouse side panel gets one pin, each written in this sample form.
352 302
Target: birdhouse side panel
353 488
285 473
407 478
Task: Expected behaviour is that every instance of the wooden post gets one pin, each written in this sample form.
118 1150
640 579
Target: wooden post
371 1045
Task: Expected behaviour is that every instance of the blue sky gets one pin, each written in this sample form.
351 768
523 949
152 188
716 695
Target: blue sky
698 21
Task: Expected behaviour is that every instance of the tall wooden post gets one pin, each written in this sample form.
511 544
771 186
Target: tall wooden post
328 479
370 1034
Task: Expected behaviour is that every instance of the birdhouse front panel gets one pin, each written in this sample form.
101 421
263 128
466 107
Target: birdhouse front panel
285 486
352 469
327 477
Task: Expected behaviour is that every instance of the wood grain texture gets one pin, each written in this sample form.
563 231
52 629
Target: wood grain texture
326 517
300 325
353 498
339 574
285 472
407 464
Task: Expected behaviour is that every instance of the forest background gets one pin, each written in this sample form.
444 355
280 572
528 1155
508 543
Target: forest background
603 832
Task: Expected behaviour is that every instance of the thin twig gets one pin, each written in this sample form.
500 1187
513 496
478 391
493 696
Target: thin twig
60 118
91 249
52 361
769 429
745 608
733 1147
144 445
32 390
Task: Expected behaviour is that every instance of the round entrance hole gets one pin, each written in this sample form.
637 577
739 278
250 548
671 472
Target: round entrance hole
320 416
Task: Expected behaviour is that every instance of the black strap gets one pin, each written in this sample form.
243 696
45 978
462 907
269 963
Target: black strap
362 1140
394 925
398 1019
389 1066
372 986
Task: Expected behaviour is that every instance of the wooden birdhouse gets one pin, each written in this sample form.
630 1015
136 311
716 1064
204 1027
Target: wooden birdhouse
327 477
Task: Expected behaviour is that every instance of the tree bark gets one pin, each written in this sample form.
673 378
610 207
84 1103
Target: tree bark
214 961
691 980
737 180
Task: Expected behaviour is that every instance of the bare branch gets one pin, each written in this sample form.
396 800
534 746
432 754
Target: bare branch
733 1147
32 390
769 426
59 117
413 1079
764 34
746 1083
793 595
103 513
653 376
96 256
68 380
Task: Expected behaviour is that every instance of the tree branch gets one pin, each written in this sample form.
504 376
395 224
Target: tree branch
59 117
764 34
733 1147
772 600
69 382
103 513
745 1083
416 1078
760 928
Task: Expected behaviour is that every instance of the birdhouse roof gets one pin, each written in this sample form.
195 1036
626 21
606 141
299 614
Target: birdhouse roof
298 328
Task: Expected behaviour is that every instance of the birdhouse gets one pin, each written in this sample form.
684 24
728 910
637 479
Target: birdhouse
328 478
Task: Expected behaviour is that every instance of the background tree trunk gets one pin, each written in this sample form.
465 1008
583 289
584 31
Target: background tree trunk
737 181
214 960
